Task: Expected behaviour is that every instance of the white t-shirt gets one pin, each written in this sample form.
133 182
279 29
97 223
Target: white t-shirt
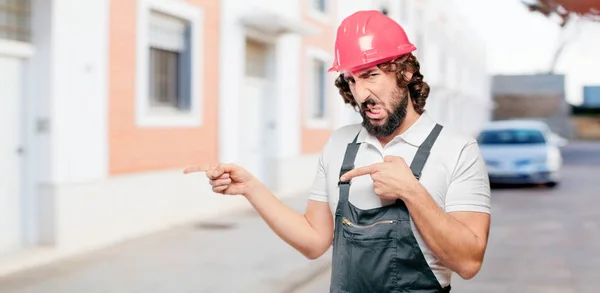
455 174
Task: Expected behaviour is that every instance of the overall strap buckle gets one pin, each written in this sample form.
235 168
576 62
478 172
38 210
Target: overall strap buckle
343 171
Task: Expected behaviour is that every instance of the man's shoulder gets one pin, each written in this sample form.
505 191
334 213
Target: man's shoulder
345 134
457 140
457 148
340 138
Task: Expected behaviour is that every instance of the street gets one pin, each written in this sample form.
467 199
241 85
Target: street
235 253
542 240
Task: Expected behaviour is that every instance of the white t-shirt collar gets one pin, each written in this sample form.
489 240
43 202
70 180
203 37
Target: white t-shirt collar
414 135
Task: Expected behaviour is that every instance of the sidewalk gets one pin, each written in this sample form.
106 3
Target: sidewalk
320 284
236 253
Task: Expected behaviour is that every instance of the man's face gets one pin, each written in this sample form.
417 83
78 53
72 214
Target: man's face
382 104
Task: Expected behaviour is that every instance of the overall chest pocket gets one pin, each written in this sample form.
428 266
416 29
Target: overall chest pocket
369 262
383 231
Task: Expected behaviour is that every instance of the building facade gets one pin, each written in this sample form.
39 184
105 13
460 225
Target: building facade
104 102
540 97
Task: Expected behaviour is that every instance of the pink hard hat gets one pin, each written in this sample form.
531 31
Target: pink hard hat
366 38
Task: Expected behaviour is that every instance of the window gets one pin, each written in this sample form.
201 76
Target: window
319 80
319 85
15 20
169 59
320 5
511 136
169 48
318 10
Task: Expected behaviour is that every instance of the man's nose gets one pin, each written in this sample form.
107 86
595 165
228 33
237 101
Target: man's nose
361 91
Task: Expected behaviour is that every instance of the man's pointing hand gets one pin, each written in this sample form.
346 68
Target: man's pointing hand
392 179
225 178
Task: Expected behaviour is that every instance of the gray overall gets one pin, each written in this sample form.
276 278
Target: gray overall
375 250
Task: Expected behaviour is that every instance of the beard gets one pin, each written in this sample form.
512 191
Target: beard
394 118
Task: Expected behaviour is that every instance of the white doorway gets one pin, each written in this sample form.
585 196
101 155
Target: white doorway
258 114
11 154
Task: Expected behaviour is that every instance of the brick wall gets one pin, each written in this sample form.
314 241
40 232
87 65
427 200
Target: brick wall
137 149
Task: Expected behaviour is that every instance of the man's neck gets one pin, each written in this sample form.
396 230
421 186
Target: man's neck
409 120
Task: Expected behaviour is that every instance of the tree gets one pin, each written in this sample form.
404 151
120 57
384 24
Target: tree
568 11
565 9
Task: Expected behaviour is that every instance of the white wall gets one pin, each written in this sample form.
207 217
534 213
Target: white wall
67 107
347 7
231 61
37 112
454 65
67 97
289 68
120 207
286 77
79 90
11 97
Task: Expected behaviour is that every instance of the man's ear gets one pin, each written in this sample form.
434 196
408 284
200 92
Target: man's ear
408 75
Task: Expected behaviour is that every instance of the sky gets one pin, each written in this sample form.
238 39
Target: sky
522 42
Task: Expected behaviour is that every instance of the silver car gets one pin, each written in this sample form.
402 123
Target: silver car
521 152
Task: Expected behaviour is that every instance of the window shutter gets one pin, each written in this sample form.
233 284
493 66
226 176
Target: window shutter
167 32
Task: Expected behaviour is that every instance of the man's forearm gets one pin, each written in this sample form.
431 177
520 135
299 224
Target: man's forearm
290 225
451 241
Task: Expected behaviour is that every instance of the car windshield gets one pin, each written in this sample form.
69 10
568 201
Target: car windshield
511 136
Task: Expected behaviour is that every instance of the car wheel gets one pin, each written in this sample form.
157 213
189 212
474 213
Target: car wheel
551 184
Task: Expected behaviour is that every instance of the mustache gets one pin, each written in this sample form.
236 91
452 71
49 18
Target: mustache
368 102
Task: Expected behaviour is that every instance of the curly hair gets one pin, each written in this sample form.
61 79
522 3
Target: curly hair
418 89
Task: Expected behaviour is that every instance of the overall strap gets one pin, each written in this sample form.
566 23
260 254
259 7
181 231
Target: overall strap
347 165
423 152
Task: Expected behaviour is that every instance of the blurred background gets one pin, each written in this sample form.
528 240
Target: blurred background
104 102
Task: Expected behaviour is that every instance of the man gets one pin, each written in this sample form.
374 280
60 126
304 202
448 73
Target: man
422 212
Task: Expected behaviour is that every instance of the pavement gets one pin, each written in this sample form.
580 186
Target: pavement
541 240
236 253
